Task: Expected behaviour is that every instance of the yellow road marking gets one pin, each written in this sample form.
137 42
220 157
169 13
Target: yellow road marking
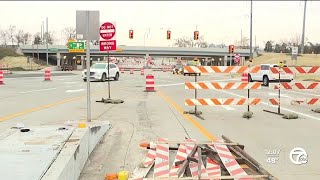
187 117
50 105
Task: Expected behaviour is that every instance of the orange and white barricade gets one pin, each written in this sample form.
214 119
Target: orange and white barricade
278 71
221 86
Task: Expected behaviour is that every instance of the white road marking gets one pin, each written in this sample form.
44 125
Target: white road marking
37 90
301 93
302 114
77 90
165 85
228 107
71 82
282 95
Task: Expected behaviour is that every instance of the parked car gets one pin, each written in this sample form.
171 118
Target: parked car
99 71
177 69
266 76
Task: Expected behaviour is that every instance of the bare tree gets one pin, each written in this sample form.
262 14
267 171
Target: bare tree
37 39
26 38
19 37
69 33
4 36
11 31
295 40
48 37
201 42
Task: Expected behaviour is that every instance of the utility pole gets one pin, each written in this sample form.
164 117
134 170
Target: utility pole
304 26
241 40
47 41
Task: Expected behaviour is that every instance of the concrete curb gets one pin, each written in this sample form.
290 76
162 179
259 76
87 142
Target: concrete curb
73 156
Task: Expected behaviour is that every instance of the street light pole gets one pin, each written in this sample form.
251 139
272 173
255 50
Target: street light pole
47 41
251 55
304 26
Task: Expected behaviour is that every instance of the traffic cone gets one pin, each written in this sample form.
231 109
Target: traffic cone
244 77
150 83
47 75
1 77
131 71
122 70
142 71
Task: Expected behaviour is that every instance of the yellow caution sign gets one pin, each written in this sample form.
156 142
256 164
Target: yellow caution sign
78 62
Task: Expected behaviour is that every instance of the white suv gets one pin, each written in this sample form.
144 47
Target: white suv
99 71
265 75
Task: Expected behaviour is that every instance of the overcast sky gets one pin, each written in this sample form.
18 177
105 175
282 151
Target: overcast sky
217 21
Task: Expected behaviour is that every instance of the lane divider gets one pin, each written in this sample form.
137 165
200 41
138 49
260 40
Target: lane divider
52 105
205 132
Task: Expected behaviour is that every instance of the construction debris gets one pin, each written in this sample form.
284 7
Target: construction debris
247 114
112 101
290 116
222 159
196 113
317 110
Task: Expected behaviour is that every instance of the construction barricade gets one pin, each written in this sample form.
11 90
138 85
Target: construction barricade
150 84
220 159
5 69
278 71
220 86
47 75
1 78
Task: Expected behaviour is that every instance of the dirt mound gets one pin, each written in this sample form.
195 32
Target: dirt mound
20 62
274 58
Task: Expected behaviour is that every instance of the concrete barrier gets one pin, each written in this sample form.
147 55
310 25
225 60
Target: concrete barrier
73 156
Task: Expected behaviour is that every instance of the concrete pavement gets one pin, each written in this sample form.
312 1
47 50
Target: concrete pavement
146 116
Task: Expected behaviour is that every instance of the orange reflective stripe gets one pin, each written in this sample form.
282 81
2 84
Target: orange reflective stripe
256 69
189 69
242 69
243 85
216 69
203 85
203 69
229 85
256 85
190 85
228 101
189 102
202 101
255 101
241 101
216 85
216 101
228 69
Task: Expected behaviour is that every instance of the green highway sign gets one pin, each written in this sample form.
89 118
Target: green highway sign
76 47
53 49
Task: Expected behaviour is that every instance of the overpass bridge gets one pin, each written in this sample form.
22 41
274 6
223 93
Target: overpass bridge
59 51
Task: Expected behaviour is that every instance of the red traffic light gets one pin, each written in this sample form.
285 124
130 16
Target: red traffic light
231 49
131 34
168 34
196 35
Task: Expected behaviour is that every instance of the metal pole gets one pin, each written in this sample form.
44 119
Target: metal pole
109 76
304 25
47 41
279 93
251 55
88 71
195 93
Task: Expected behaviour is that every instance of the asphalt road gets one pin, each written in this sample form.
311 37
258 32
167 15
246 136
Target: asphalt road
146 116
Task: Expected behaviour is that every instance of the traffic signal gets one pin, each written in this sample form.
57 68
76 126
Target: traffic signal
168 34
196 35
231 49
131 34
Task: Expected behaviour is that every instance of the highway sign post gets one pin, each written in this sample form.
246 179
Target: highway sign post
76 47
294 55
